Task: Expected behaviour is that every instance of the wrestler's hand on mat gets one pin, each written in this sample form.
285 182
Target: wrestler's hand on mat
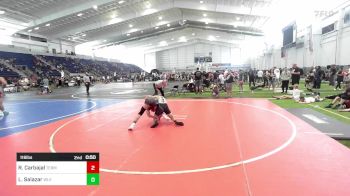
155 124
179 123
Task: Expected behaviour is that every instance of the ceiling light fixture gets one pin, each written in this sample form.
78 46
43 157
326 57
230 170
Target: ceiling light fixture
205 15
168 25
156 27
128 34
30 30
48 25
36 28
95 7
80 14
160 18
193 34
201 2
206 23
238 18
121 2
2 12
84 35
130 25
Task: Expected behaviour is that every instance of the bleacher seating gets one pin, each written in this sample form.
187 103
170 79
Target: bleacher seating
72 65
5 72
19 58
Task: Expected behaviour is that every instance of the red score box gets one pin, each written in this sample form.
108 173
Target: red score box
93 167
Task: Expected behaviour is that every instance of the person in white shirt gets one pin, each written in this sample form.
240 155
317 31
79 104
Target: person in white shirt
277 73
221 80
87 82
260 75
3 84
296 94
159 86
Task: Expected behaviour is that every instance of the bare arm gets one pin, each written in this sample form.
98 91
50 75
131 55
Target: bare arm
345 110
149 114
3 82
143 109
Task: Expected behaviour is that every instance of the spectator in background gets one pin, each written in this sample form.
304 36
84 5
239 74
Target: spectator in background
285 77
198 81
221 80
296 94
241 80
3 84
332 75
251 76
318 77
295 74
46 85
266 79
339 99
229 78
87 82
159 86
340 78
347 79
277 73
272 80
260 76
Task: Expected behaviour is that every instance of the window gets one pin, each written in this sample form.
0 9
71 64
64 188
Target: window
347 18
328 28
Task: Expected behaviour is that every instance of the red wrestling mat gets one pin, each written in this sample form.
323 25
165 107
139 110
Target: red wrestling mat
227 147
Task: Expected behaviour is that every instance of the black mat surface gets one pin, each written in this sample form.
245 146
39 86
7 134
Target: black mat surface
325 124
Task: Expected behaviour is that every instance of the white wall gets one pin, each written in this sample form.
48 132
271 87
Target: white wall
183 57
43 47
330 48
150 61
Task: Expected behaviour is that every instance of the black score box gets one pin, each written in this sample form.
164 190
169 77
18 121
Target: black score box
57 169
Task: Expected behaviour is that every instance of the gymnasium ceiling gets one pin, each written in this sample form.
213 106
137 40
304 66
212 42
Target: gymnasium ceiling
147 23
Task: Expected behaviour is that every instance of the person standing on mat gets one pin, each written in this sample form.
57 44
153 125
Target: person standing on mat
3 84
159 106
159 86
87 82
198 81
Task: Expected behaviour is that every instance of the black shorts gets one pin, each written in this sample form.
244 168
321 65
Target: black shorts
162 108
345 96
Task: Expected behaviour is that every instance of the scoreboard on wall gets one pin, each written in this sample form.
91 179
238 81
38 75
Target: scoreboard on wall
57 169
203 59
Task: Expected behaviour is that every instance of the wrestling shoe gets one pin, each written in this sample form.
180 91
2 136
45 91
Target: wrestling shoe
155 124
132 127
179 123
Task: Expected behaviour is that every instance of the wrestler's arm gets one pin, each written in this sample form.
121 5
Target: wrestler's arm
142 110
149 114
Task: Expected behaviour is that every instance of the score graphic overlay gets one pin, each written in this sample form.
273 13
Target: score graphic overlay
57 169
